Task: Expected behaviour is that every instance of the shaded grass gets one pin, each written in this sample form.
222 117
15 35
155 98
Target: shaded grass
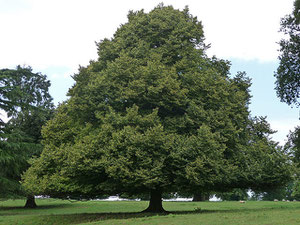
51 211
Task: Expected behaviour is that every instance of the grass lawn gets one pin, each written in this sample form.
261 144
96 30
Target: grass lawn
52 211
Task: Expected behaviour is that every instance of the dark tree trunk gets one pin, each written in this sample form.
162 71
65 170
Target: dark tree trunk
155 204
30 202
201 197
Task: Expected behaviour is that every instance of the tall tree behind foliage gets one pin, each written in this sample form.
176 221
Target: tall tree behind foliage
288 72
26 100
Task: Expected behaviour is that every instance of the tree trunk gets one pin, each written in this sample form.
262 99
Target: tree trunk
201 197
30 202
155 204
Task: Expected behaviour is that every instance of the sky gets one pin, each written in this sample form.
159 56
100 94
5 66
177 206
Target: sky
54 37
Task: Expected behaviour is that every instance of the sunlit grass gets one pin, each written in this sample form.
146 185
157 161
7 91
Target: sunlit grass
52 211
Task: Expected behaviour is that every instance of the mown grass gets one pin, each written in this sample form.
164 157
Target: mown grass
59 212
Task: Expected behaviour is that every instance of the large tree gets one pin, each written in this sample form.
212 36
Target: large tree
288 72
25 98
154 114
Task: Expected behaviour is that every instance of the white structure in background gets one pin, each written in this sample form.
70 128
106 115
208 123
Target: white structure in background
3 116
179 199
116 198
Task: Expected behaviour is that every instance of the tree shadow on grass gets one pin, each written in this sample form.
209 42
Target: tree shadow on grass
92 217
40 207
63 219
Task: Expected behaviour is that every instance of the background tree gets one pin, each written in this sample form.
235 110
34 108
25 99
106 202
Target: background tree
25 98
154 114
288 78
288 72
22 89
236 194
275 161
279 193
292 147
200 197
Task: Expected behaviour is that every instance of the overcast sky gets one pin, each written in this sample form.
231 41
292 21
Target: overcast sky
56 36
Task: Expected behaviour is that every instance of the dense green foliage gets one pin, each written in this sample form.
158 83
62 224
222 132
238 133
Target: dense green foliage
24 97
280 193
293 148
293 145
288 81
236 194
155 114
288 72
21 89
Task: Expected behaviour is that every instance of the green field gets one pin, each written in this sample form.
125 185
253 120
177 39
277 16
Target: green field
52 211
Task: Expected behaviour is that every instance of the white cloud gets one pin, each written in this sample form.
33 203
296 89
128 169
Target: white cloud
283 127
63 32
244 29
55 76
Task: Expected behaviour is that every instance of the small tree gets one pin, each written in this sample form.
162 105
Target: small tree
154 114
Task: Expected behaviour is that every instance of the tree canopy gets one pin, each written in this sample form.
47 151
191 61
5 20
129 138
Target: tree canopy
20 88
25 98
154 114
288 72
